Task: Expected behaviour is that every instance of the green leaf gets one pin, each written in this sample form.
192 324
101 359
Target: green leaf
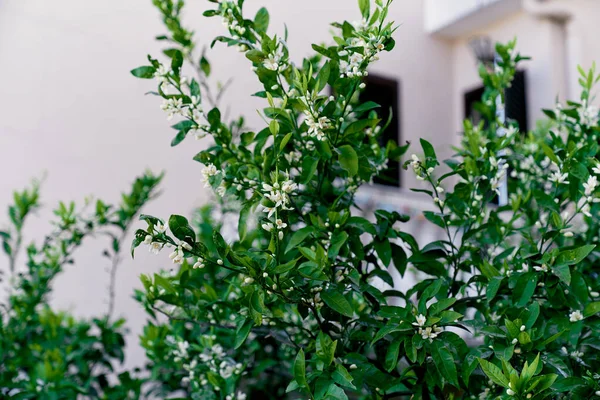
288 266
298 237
181 229
524 289
591 309
261 20
325 348
563 273
550 153
178 138
309 167
384 250
146 72
369 105
255 56
444 362
336 301
205 67
348 159
428 149
176 61
391 357
245 213
493 372
284 141
342 377
242 333
399 258
274 129
364 6
436 218
300 369
493 286
323 77
337 241
574 256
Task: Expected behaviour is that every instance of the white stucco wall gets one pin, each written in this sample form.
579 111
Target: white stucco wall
68 106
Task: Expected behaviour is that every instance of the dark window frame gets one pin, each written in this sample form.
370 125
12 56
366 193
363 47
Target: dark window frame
394 130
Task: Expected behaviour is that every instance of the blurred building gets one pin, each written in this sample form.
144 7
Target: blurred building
559 35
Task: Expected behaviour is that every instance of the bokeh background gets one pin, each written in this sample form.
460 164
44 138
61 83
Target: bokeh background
70 110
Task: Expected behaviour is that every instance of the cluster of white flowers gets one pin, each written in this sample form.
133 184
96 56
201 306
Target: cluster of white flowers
215 359
430 332
340 275
485 394
294 156
199 264
317 126
229 19
153 246
162 75
238 396
353 62
589 115
207 172
590 185
275 60
172 106
419 169
373 132
279 194
316 300
191 369
500 166
181 351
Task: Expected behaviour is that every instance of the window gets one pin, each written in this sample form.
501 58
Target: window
516 102
515 109
386 93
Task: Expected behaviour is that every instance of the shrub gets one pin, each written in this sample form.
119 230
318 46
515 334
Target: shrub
45 354
505 306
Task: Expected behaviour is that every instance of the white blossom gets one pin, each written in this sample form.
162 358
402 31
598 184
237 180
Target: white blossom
559 178
207 172
154 247
575 316
588 115
431 332
421 320
590 185
177 256
172 107
160 228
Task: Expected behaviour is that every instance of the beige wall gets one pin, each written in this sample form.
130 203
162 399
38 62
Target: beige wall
68 106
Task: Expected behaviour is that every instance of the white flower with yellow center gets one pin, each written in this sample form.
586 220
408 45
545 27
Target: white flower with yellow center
575 316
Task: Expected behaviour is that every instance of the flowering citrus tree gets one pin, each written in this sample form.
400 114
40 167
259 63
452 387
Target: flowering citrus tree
47 354
504 307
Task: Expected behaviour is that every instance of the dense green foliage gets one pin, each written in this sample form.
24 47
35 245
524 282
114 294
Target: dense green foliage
45 354
504 307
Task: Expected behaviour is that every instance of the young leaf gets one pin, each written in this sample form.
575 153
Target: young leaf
444 362
493 372
336 301
348 159
146 72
